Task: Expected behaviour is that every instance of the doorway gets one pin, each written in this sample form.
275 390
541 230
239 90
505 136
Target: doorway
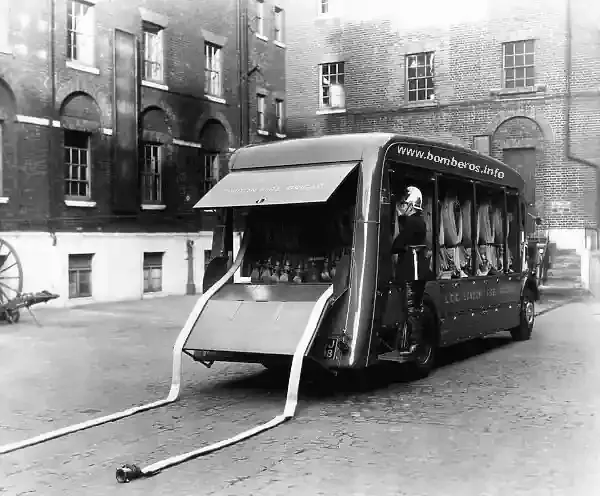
523 160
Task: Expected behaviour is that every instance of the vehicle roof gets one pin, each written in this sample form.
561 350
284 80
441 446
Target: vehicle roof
352 147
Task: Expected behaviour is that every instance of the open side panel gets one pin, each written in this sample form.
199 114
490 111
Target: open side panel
257 319
277 186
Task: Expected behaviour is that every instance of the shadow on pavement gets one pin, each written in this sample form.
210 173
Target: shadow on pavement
319 384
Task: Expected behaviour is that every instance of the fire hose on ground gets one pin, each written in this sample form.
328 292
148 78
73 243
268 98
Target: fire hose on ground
130 472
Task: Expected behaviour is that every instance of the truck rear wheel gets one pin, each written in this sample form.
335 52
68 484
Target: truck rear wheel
422 366
527 318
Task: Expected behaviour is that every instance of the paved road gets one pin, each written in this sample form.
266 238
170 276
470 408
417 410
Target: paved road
512 419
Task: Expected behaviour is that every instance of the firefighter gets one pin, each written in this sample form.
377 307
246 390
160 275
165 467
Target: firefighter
412 232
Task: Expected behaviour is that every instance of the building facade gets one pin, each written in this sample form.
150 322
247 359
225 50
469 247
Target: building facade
517 80
115 119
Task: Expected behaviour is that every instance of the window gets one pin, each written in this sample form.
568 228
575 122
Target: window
80 275
153 53
152 173
278 26
323 7
419 76
153 269
260 18
279 116
260 109
212 70
519 68
80 32
332 85
77 164
211 166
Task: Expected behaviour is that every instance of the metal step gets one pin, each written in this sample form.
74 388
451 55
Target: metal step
394 356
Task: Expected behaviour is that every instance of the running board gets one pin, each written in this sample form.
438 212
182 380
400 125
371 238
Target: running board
395 356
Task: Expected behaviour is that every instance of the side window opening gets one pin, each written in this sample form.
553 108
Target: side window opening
512 202
402 176
455 232
490 227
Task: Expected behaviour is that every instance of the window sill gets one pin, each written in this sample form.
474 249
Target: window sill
262 132
153 206
262 37
6 51
280 44
80 203
331 111
421 104
71 64
4 199
281 135
84 298
156 86
215 99
526 90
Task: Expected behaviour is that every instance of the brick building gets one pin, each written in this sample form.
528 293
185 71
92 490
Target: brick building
115 118
518 80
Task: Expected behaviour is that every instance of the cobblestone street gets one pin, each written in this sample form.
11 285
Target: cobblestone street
499 418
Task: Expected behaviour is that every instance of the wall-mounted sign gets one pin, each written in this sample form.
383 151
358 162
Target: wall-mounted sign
482 144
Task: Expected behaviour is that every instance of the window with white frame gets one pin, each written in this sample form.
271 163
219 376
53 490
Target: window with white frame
153 271
210 171
152 173
324 7
519 64
278 25
260 17
419 76
331 89
153 53
77 165
212 70
279 116
80 32
80 275
261 101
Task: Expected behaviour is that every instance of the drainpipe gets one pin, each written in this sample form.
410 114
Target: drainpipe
52 69
245 60
569 64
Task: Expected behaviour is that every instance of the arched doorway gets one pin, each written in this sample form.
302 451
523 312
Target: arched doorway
518 141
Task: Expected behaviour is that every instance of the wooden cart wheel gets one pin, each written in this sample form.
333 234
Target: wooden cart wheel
11 273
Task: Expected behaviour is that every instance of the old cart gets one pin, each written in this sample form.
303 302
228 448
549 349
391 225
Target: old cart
12 298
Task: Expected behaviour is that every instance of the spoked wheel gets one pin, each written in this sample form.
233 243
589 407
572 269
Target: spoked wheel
11 278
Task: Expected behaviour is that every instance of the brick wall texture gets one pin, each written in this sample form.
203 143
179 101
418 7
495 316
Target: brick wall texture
35 81
467 40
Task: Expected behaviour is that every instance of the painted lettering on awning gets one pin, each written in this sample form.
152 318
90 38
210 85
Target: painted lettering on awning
276 189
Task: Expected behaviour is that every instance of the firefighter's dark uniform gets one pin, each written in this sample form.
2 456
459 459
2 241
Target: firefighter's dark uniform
413 231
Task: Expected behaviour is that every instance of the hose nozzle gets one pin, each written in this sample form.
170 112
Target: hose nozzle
127 473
